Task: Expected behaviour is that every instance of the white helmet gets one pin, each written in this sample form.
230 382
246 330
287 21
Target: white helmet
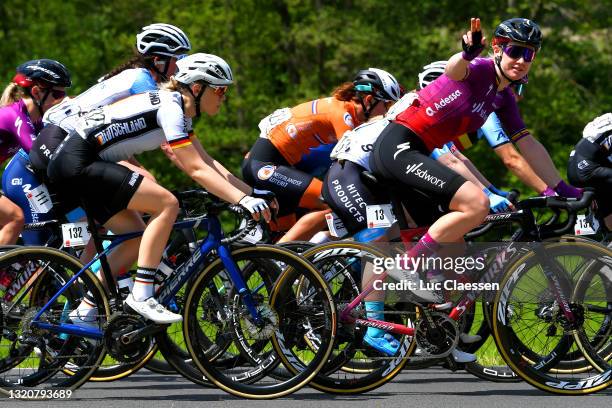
381 84
203 67
431 72
162 39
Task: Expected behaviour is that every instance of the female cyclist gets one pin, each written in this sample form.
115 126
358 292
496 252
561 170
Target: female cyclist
289 136
590 164
457 102
156 51
540 175
37 86
87 161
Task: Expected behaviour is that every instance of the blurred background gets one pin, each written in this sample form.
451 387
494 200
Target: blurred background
286 52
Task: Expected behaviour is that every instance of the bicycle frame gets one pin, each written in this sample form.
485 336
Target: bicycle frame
170 286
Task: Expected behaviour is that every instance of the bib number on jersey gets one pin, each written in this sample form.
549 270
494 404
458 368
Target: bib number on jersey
343 146
335 225
75 234
272 120
39 199
584 227
256 234
380 216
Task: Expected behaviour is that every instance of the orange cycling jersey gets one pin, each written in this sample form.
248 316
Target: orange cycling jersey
312 124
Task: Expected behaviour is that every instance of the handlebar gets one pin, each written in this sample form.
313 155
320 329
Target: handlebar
568 204
213 206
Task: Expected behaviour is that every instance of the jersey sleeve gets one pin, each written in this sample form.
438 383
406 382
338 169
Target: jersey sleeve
510 117
493 131
171 119
480 68
143 82
342 122
23 132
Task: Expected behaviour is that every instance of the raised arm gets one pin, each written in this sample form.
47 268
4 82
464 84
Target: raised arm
473 43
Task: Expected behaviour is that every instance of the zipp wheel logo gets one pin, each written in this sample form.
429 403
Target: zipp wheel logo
336 252
585 384
501 311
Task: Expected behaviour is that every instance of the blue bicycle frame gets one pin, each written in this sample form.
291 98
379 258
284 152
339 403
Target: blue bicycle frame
170 286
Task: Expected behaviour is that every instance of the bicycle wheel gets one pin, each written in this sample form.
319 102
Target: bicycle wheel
353 367
32 356
532 333
594 292
171 342
260 345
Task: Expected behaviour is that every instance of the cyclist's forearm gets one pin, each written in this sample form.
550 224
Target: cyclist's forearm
227 175
472 168
457 68
217 185
540 160
459 167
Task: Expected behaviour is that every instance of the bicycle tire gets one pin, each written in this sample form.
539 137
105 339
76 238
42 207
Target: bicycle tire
296 267
54 264
535 372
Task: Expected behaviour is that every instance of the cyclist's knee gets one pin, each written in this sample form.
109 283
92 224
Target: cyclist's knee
471 200
14 216
170 204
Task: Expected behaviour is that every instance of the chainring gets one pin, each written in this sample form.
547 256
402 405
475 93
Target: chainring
120 324
439 341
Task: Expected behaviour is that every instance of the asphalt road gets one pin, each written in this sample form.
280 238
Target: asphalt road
425 388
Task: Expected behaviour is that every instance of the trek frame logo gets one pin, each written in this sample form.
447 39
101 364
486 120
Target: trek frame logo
424 175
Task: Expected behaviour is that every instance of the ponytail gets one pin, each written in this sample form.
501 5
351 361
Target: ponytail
11 94
346 92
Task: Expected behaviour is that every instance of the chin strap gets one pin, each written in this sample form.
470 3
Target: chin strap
367 111
196 98
163 76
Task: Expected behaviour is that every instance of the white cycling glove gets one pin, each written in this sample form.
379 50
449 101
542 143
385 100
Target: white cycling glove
254 205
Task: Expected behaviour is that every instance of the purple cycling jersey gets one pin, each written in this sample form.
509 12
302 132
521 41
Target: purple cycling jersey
16 129
446 109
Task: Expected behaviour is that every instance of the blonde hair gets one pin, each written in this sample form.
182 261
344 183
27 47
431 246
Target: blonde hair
11 94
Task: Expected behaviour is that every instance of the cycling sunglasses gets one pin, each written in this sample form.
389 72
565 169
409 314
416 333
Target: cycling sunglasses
219 90
518 51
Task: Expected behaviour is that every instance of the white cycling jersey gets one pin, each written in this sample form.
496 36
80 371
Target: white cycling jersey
136 124
356 145
122 85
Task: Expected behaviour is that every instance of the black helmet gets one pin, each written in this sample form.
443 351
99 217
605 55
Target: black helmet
45 71
381 84
521 30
